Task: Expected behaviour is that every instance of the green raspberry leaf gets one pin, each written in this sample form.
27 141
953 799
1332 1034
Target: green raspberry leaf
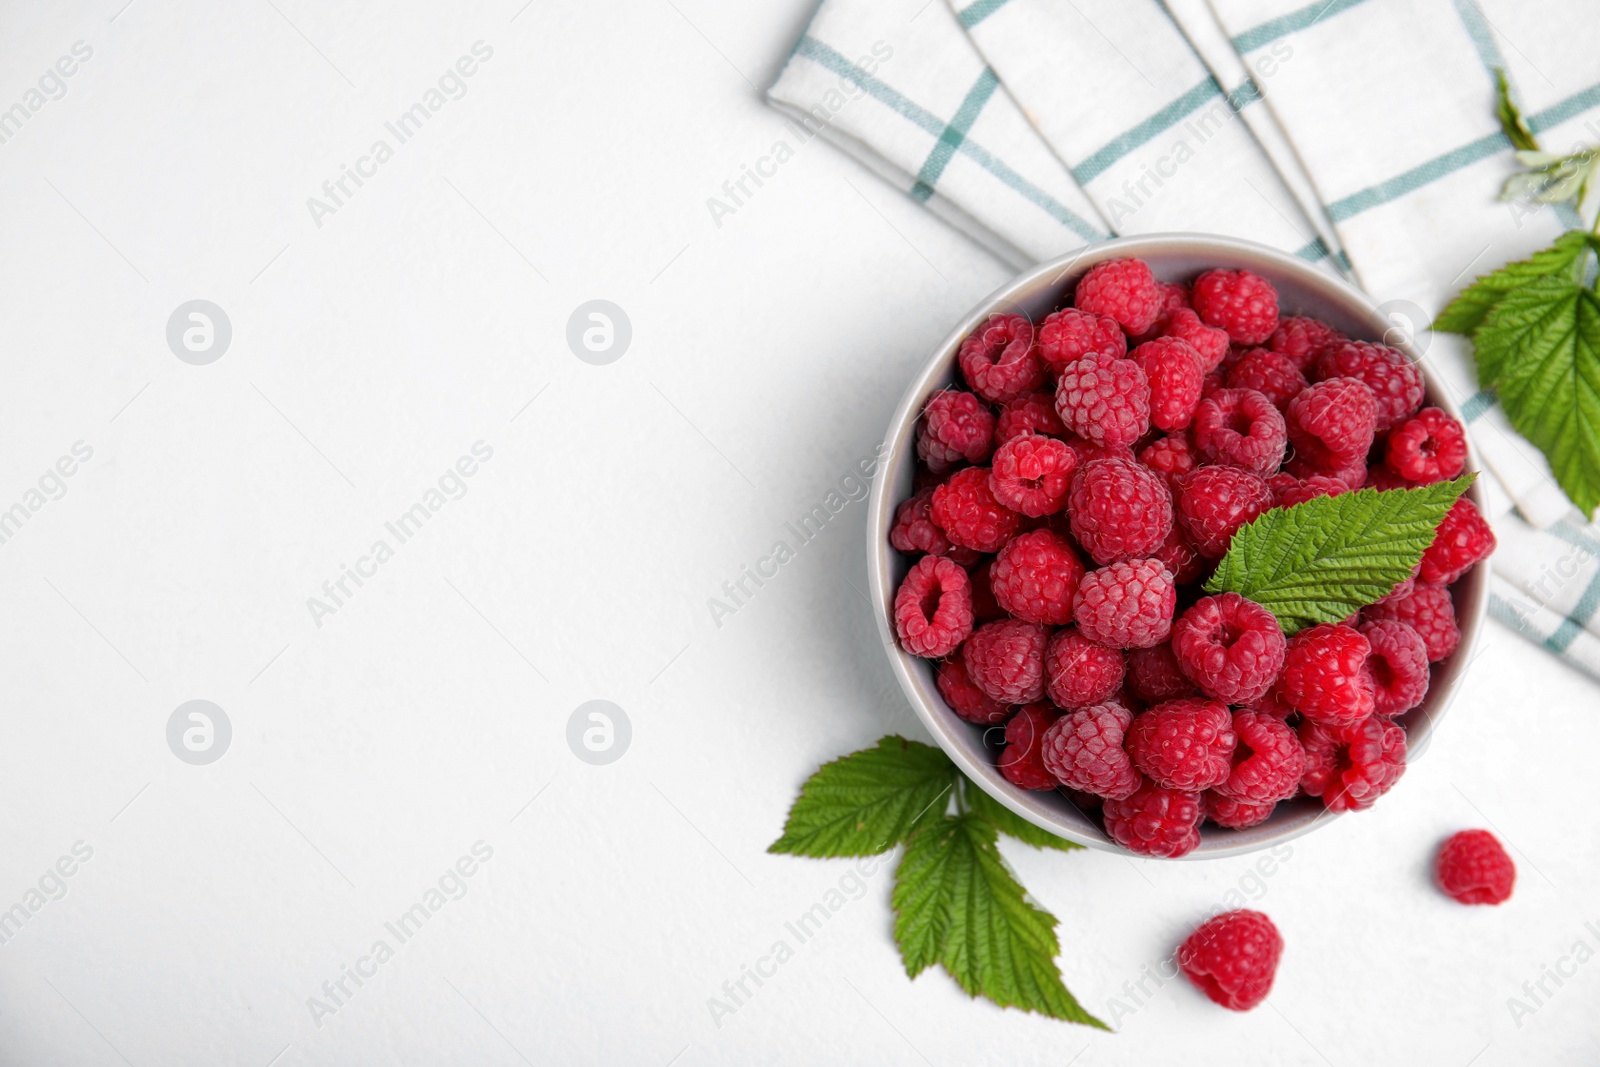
1540 349
1322 560
1472 305
1512 123
1010 823
868 802
956 903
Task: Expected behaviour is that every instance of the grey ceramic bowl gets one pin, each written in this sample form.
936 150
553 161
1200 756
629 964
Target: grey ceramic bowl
1302 289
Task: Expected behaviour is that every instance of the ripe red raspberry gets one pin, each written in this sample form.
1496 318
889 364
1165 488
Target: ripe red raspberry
1462 540
1395 381
1350 767
1233 958
1087 451
1123 290
1209 341
1172 367
1079 672
1169 456
933 608
1155 821
1272 703
1331 424
1154 675
1105 401
1083 751
1401 590
1354 475
1429 448
1034 413
1325 674
998 360
1473 867
1288 490
1399 666
1174 297
1303 340
1381 476
1127 604
985 608
1244 304
965 698
1232 648
1119 509
966 510
1268 761
1186 565
1427 610
1022 760
956 428
1069 335
1184 744
1031 474
1240 428
1214 502
1235 814
914 531
1270 373
1035 577
1005 659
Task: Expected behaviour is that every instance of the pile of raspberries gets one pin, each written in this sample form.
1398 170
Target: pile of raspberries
1071 501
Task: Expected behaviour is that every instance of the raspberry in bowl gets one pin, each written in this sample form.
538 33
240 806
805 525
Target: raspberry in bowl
1083 448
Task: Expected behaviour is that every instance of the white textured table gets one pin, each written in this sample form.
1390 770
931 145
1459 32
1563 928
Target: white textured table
411 727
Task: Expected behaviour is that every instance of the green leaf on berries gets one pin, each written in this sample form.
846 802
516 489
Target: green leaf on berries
1323 560
869 801
1564 259
1010 823
957 904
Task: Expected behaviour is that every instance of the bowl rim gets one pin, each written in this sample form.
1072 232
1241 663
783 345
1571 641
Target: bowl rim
899 455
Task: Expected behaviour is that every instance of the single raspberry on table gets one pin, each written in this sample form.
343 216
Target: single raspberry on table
1462 540
1154 675
1031 474
1243 303
1022 760
1182 560
1104 400
1395 381
1350 767
1169 456
1034 413
1079 672
1331 424
1209 341
933 608
1303 340
1235 814
1214 502
1184 744
1126 604
914 531
966 510
1432 447
956 428
1119 509
1428 610
1153 821
964 697
999 361
1399 666
1268 761
1123 290
1288 490
1173 369
1270 373
1231 647
1069 335
1005 659
1325 676
1035 577
1240 428
1083 751
1233 958
1473 868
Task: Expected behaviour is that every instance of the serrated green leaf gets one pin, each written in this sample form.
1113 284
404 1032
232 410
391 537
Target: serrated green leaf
1010 823
1564 258
868 802
1322 560
956 903
1541 346
1510 116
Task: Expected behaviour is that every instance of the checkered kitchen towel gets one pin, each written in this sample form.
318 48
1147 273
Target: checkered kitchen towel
1357 134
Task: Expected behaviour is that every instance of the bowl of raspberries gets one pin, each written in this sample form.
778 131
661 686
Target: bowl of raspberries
1062 481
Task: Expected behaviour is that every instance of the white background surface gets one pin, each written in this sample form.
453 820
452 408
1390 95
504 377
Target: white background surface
372 752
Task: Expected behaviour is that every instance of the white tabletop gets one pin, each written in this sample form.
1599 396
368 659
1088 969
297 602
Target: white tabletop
422 715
